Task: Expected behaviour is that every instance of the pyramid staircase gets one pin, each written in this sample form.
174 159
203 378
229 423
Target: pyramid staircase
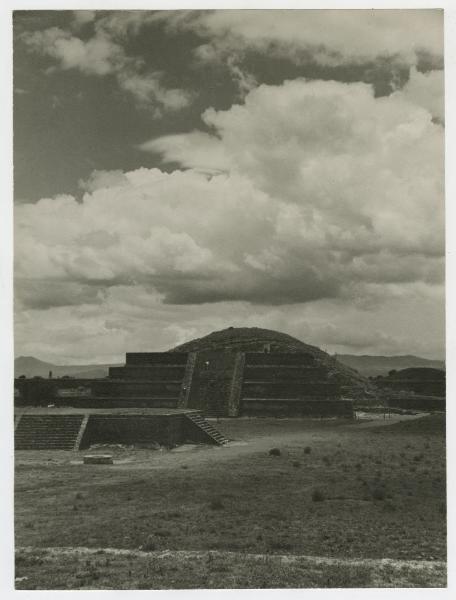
207 430
48 432
214 411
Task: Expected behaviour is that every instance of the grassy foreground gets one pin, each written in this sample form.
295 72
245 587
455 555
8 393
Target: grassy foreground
239 516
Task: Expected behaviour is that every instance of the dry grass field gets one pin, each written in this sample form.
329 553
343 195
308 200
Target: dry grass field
324 510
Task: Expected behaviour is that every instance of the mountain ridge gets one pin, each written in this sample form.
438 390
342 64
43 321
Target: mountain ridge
366 364
374 365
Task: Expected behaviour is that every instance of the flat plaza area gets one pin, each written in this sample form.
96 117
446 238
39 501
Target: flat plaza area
287 503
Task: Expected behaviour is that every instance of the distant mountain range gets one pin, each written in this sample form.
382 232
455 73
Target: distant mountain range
32 367
371 366
364 364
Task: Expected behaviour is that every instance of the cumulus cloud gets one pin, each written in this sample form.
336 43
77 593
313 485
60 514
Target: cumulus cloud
348 169
426 90
147 88
82 17
309 194
103 179
326 189
195 150
100 55
330 37
96 56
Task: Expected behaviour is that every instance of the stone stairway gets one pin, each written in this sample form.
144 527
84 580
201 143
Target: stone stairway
211 408
47 432
207 428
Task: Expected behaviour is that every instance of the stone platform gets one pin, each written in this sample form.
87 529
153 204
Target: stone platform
70 428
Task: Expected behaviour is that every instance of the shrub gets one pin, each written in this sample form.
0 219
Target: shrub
162 533
296 464
317 496
307 450
216 504
378 493
389 506
274 452
150 544
279 545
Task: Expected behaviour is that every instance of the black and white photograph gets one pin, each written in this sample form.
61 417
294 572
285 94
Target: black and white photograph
229 298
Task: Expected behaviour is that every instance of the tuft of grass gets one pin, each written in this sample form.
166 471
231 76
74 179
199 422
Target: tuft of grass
307 450
389 506
275 452
296 464
279 545
378 493
216 504
317 495
150 544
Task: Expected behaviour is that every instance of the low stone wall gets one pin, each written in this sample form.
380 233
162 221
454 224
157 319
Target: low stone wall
287 373
95 402
258 358
290 389
156 358
113 388
297 408
425 387
166 430
95 393
429 404
41 392
157 372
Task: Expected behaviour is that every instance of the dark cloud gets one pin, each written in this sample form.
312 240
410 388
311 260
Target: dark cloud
249 286
39 294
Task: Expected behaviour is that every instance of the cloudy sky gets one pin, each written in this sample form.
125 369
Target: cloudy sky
180 172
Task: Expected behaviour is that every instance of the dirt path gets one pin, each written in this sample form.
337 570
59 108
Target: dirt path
95 568
379 421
